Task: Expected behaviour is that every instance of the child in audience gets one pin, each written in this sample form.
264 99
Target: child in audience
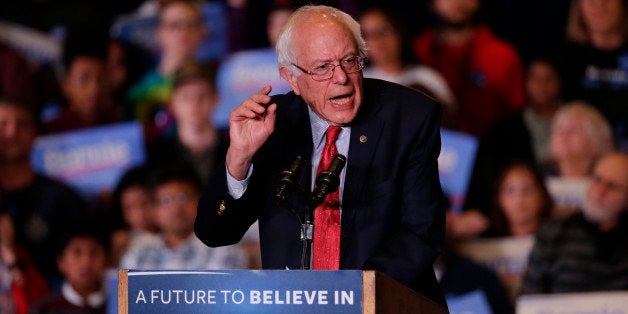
176 192
521 202
197 141
83 262
84 87
132 212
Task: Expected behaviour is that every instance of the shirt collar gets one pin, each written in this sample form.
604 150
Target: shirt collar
319 127
94 300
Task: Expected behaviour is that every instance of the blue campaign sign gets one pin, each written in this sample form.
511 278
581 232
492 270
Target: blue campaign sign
90 160
243 74
455 164
245 291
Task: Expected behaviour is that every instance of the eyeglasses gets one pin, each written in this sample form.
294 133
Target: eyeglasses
606 183
326 71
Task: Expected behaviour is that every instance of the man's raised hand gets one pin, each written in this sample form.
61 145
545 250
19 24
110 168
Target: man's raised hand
250 125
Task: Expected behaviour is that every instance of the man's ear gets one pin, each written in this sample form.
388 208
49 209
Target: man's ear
287 75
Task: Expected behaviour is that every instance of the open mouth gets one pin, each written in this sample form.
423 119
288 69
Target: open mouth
340 100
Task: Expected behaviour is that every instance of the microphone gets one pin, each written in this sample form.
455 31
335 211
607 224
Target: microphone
327 181
289 179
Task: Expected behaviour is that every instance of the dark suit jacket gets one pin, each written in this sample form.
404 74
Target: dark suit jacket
392 212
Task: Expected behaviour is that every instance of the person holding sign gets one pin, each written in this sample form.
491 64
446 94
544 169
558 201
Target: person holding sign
388 212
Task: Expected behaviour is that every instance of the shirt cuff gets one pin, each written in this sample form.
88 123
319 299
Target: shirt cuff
237 188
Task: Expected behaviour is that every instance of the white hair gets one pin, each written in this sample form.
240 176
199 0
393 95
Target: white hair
284 48
596 126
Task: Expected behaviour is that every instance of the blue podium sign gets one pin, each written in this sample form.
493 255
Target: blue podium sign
244 291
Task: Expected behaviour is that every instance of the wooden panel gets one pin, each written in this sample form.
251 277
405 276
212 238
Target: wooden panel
123 291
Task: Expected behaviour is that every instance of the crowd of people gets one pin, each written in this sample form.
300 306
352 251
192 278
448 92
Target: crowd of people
551 121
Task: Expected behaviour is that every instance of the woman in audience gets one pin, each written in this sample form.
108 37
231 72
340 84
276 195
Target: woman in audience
521 201
391 57
595 59
579 136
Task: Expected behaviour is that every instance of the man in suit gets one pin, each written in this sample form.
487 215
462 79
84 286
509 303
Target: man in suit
390 200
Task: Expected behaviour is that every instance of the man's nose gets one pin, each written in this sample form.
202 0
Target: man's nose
339 76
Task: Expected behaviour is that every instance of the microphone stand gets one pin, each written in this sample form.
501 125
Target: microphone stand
307 236
307 233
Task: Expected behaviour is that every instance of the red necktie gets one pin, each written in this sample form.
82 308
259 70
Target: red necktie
326 243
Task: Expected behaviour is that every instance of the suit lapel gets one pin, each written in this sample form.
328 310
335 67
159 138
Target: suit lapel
365 136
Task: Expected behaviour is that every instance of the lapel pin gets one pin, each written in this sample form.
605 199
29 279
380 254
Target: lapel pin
363 138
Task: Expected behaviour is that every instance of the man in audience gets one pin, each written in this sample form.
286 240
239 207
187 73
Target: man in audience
40 207
483 71
586 251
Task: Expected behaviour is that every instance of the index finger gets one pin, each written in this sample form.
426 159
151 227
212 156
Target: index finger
261 97
265 90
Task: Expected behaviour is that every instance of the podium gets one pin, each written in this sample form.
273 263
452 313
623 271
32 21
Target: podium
267 291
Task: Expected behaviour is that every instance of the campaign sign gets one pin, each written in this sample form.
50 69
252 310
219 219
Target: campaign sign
243 74
610 302
567 192
90 160
244 291
507 257
455 165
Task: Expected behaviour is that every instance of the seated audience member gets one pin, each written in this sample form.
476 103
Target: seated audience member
83 262
522 136
579 136
88 102
521 202
40 207
196 141
483 71
391 57
20 282
594 61
132 212
179 33
176 192
586 251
